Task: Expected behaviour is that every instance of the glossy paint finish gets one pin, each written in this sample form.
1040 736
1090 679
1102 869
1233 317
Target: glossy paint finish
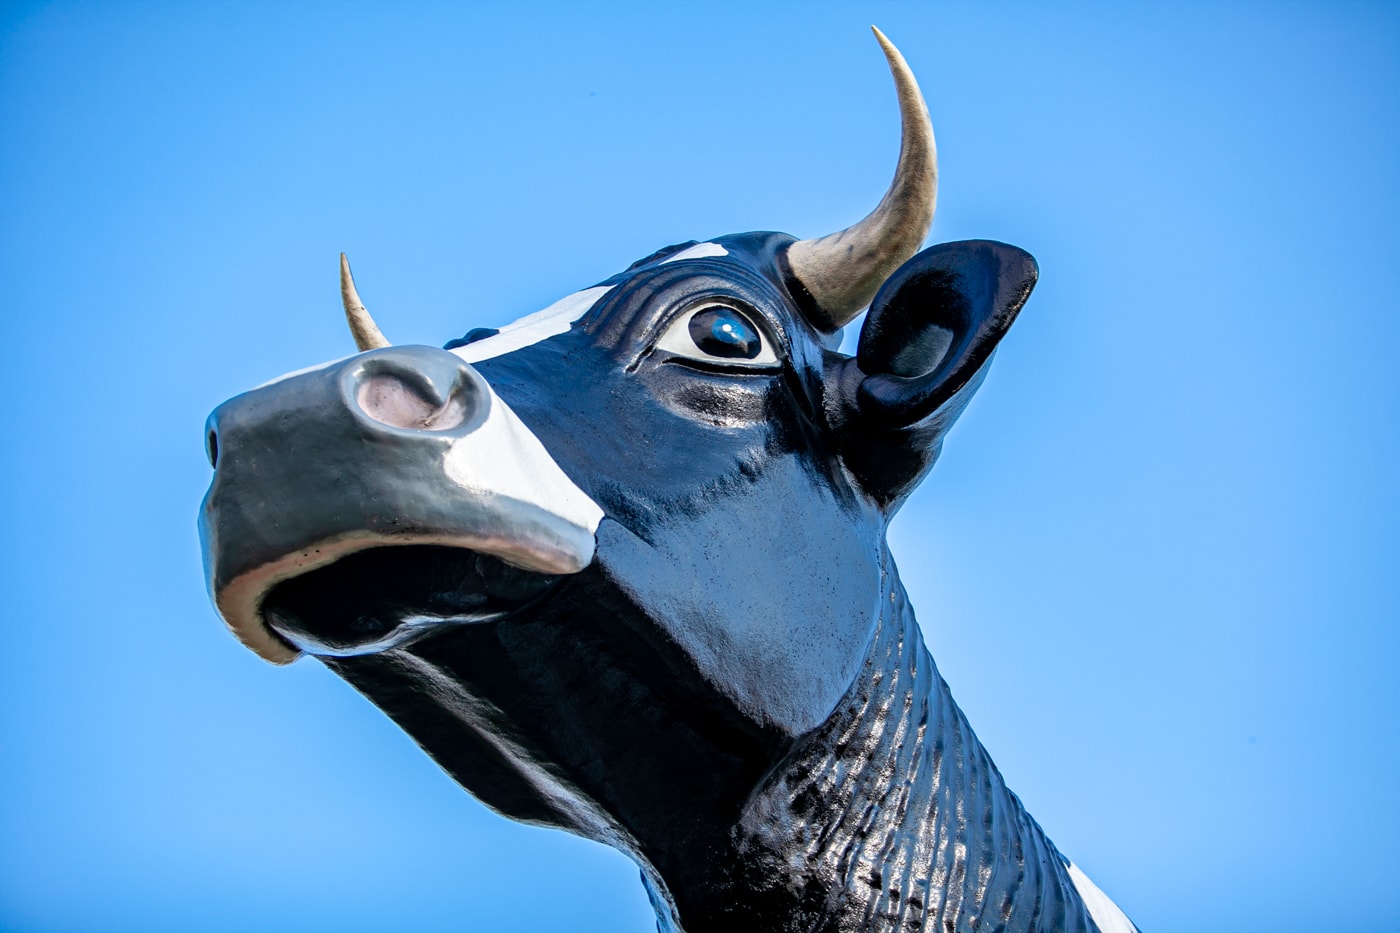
734 690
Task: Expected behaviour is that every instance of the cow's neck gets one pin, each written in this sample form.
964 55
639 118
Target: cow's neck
890 816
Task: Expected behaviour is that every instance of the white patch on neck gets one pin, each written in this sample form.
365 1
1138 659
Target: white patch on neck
698 251
532 328
1104 912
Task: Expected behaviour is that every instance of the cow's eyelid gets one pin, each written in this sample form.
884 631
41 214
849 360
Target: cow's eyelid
721 332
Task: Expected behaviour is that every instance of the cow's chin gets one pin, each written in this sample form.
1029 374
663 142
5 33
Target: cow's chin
388 597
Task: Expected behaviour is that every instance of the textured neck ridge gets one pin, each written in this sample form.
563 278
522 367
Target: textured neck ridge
891 816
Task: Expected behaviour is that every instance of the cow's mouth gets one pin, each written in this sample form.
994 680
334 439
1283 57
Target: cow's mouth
386 597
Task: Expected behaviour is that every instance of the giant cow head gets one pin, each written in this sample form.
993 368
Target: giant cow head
612 563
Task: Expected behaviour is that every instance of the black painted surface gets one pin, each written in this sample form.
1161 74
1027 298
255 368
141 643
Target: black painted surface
735 691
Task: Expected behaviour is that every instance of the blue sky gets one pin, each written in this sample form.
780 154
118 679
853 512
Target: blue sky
1156 562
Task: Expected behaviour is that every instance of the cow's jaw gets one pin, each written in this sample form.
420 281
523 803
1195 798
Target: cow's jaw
389 597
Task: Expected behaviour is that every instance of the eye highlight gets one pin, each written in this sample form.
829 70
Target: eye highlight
718 333
721 331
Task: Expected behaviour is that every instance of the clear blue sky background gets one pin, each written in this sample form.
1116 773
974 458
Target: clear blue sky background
1157 563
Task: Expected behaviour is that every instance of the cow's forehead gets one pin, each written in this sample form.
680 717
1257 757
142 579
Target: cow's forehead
747 266
698 251
532 328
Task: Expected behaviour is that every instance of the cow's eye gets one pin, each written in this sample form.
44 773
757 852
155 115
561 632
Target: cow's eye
720 334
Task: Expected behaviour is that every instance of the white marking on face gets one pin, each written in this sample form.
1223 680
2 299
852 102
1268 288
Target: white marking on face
1104 912
507 465
532 328
698 251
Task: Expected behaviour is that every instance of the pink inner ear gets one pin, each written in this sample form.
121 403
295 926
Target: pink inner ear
388 399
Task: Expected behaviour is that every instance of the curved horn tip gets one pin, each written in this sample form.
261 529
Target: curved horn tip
362 327
898 66
844 270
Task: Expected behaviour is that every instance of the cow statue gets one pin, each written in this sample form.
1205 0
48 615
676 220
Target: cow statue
620 568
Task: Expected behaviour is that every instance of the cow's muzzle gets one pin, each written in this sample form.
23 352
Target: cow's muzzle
403 446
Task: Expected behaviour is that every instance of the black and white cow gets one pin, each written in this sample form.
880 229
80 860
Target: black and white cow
620 568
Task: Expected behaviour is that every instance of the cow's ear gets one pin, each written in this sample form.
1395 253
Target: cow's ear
923 351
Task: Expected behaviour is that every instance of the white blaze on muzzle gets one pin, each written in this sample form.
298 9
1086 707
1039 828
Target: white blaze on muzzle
504 459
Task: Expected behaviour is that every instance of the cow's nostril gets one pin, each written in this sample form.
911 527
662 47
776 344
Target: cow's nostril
211 447
391 400
415 389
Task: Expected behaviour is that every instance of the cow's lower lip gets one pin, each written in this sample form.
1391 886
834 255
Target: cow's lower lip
385 597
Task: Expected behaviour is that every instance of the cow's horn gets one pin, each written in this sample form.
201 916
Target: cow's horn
843 271
362 327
